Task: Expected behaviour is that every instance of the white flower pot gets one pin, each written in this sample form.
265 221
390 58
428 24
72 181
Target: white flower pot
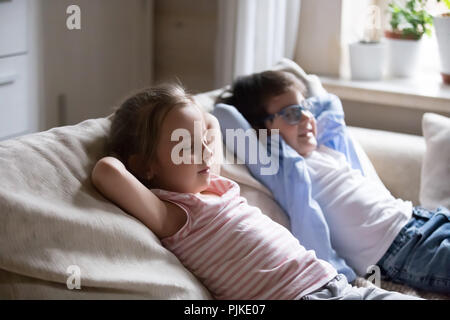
367 60
403 57
442 26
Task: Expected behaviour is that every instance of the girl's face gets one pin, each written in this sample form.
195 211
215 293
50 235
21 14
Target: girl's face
301 136
182 177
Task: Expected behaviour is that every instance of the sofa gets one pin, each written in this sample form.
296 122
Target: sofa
61 239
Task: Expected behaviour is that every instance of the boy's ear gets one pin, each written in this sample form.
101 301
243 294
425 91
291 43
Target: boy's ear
269 125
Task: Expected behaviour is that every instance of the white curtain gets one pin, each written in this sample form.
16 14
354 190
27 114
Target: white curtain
253 35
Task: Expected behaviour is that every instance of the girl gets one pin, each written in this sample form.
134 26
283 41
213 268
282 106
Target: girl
235 250
331 202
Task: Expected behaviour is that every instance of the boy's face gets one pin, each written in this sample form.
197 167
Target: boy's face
301 136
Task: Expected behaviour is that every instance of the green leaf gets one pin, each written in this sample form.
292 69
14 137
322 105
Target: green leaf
411 18
447 3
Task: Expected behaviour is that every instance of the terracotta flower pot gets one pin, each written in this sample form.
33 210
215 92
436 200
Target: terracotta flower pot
395 35
403 54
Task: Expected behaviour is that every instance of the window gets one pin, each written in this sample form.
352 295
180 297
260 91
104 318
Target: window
430 62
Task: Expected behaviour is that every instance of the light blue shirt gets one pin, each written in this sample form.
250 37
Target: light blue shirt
291 184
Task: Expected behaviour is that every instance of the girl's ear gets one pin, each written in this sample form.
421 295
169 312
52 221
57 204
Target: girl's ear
150 173
136 166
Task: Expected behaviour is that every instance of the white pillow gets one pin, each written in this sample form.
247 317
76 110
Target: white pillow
435 175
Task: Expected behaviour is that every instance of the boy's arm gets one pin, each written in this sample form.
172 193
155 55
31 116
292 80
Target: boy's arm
331 128
327 105
116 183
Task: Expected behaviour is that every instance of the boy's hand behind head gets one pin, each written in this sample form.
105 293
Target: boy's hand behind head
314 86
311 81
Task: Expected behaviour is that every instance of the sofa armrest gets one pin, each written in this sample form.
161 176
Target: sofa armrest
397 159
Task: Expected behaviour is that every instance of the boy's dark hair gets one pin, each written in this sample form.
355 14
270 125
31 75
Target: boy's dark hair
249 94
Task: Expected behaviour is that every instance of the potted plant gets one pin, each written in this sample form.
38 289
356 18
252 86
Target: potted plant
442 26
367 56
409 23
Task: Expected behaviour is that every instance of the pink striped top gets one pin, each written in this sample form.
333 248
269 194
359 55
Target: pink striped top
237 252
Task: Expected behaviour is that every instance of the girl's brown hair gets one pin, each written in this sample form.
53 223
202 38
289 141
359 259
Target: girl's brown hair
250 94
136 125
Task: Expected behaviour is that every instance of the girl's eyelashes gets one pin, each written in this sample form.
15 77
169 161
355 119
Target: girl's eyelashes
208 140
205 139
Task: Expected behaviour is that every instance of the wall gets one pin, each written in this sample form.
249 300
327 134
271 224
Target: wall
382 117
96 67
81 74
122 46
325 30
185 35
318 47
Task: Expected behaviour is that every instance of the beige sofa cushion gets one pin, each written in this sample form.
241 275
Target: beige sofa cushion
435 183
396 157
52 217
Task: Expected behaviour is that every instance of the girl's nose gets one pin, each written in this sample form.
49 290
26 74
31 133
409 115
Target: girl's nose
207 152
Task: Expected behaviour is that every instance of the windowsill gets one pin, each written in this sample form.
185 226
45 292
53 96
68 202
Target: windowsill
427 92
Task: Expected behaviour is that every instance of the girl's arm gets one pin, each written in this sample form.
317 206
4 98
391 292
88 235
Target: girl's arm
116 183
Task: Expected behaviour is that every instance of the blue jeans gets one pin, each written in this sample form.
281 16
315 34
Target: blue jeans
340 289
420 254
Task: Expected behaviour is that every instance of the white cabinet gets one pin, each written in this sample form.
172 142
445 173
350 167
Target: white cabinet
14 111
13 27
13 96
